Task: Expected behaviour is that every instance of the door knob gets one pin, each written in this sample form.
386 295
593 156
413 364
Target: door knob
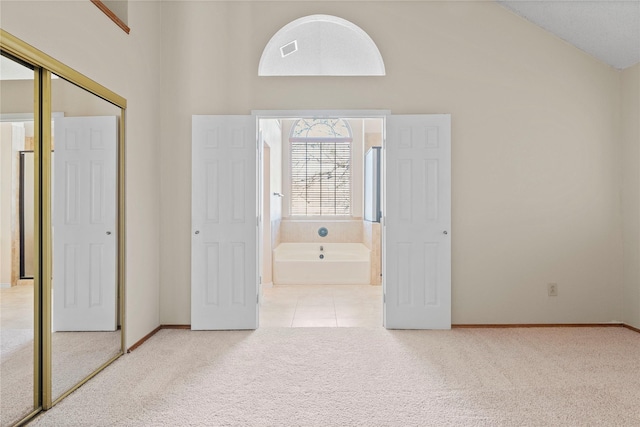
108 233
197 232
445 232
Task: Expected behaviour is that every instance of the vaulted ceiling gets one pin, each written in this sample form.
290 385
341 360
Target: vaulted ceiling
609 30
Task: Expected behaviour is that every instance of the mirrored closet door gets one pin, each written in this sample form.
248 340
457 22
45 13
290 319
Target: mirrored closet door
85 329
61 230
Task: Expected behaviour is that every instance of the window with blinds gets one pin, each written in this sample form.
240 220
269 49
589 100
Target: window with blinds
320 167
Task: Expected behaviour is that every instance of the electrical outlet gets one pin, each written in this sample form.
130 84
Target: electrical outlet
552 289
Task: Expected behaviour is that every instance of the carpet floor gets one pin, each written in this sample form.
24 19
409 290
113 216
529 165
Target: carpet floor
74 356
366 377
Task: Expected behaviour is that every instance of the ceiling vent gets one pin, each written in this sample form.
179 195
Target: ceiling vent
289 48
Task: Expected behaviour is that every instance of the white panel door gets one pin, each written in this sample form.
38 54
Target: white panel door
417 249
84 224
224 234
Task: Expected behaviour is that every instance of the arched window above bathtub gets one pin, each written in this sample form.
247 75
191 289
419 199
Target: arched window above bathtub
321 130
320 154
321 45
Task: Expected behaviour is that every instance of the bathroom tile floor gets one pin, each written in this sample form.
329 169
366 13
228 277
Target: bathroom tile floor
321 306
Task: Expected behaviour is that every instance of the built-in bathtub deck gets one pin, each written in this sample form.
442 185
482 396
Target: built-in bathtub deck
321 264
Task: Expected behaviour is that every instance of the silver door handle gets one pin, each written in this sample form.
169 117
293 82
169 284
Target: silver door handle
108 233
197 232
445 232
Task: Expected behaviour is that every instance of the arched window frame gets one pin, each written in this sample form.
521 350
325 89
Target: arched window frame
321 45
324 189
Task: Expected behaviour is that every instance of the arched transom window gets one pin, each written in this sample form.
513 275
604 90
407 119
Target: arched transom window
320 167
321 45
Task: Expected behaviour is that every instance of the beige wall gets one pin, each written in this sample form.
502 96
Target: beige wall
275 141
272 177
130 66
66 98
631 193
12 141
340 231
6 178
372 238
14 96
272 133
536 156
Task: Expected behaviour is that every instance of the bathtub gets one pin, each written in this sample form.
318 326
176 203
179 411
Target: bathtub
300 264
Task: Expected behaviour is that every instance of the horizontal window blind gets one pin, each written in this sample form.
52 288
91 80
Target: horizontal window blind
321 178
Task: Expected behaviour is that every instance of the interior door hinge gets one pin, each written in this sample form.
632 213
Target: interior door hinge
258 299
384 298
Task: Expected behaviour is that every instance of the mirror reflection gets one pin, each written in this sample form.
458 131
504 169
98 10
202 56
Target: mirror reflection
16 242
86 330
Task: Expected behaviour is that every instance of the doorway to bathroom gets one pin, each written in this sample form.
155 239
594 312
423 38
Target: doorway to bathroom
321 250
312 226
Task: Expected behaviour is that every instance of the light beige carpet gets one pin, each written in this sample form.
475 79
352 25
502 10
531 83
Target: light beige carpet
16 374
74 356
367 377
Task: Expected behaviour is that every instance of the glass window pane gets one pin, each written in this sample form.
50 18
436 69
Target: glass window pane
320 167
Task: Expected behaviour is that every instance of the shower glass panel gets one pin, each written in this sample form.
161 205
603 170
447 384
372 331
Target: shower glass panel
86 332
18 395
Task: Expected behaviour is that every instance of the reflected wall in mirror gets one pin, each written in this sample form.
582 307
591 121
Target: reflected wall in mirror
86 331
17 332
